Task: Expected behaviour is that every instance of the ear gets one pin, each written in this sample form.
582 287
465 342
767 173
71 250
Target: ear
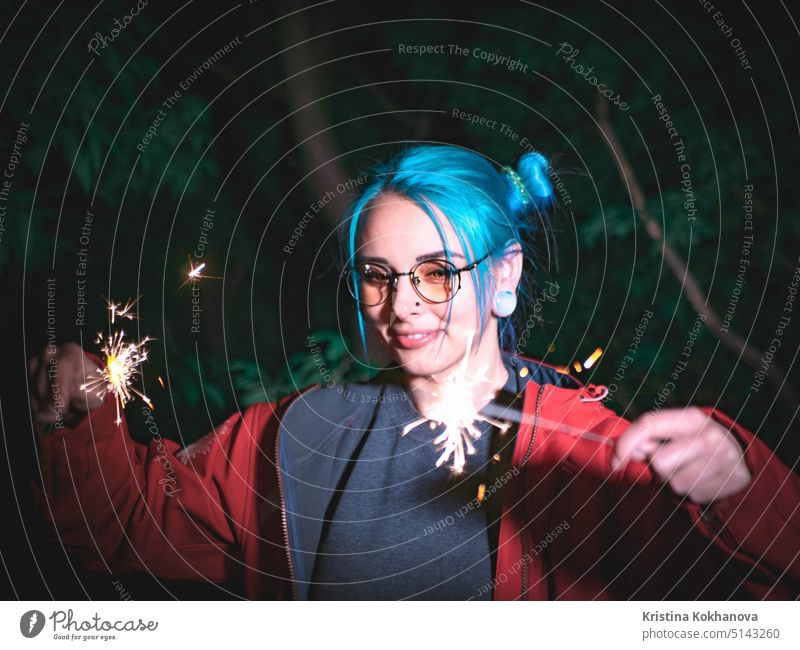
507 270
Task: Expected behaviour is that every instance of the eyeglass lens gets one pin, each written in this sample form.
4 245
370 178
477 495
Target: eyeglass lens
434 280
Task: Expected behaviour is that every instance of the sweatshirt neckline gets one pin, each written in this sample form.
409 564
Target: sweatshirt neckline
402 411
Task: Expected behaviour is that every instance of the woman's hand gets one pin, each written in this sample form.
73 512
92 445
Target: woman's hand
55 379
688 450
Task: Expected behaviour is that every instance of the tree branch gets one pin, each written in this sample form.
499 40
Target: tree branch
303 90
691 287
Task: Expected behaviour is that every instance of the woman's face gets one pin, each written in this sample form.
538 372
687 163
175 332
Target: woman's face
398 234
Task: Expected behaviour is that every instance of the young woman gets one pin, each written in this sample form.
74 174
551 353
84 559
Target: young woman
340 492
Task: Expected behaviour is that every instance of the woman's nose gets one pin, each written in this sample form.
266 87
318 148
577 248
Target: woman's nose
402 297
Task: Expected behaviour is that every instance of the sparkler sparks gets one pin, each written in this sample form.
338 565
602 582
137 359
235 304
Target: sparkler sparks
455 408
122 361
195 273
593 357
590 361
121 311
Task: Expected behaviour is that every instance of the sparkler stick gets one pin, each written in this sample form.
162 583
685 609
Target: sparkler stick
455 408
516 415
496 409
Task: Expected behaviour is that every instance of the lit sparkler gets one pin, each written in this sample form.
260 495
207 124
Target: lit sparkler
122 361
455 408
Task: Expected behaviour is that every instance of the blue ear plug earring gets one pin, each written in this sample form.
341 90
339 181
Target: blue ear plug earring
505 302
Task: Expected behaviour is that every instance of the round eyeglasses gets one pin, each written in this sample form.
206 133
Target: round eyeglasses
435 281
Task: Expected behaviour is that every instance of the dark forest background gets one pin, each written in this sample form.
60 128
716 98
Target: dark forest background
304 102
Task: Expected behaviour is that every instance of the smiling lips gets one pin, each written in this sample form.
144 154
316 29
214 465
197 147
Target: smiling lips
414 339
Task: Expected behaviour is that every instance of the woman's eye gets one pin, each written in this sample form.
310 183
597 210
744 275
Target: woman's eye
437 274
375 276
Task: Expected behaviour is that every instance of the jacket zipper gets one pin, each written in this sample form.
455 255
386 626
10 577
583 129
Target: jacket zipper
718 529
524 533
535 425
283 503
524 575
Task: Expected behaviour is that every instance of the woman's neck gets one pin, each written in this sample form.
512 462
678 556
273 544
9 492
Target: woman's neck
483 386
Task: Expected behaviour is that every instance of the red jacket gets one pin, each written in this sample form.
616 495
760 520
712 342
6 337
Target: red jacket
232 507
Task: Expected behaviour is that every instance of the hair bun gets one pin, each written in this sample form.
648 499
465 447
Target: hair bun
531 181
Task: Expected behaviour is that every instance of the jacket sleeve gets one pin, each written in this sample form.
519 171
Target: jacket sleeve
759 525
121 506
756 531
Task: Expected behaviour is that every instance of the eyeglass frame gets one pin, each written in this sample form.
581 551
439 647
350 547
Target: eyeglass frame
394 276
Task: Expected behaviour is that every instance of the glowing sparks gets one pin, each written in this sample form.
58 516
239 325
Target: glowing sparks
455 409
121 311
593 357
481 492
195 273
122 361
590 361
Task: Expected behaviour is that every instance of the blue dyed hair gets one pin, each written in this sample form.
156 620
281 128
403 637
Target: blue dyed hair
488 208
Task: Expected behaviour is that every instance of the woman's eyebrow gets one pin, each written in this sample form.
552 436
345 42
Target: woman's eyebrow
438 255
377 260
420 258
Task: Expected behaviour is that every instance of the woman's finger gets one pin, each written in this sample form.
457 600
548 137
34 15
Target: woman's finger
652 428
692 477
42 381
632 444
645 448
677 454
33 365
84 400
48 416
